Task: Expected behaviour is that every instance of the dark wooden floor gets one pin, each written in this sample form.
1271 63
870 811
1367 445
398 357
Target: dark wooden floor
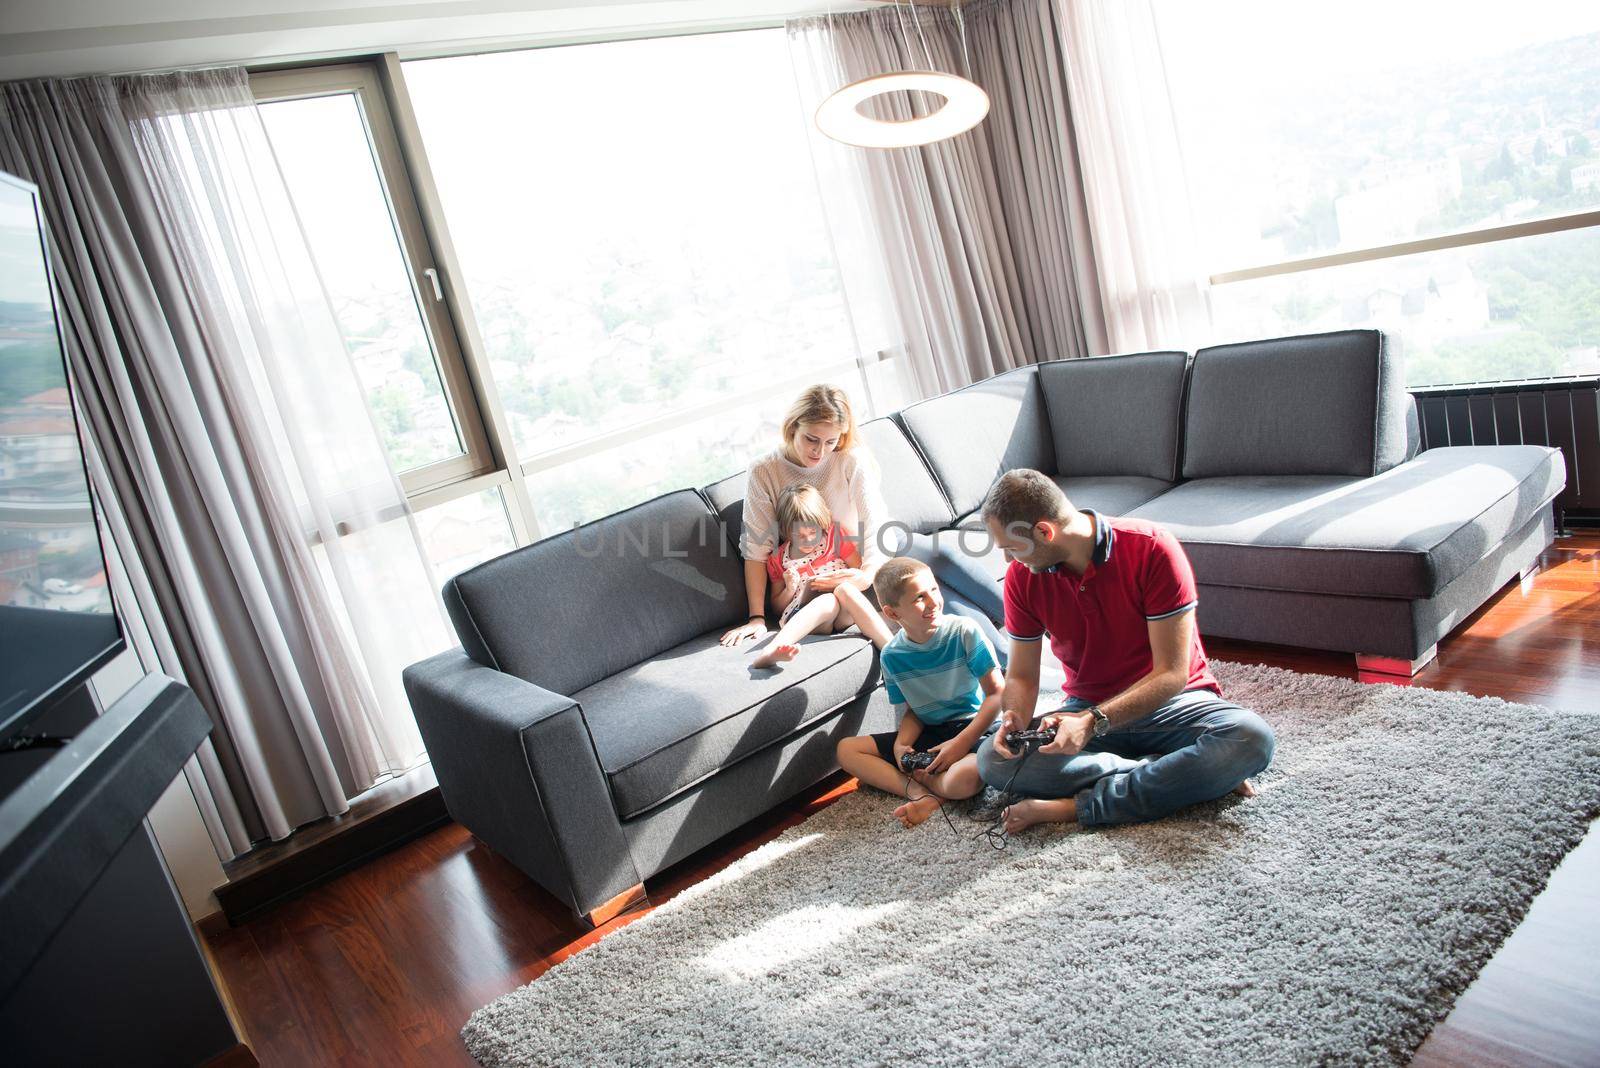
384 964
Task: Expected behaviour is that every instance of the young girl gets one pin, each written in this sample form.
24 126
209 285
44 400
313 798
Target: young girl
813 545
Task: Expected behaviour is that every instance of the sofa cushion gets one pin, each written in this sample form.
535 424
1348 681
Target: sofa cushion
1116 415
974 435
1322 404
910 495
663 725
1405 533
581 605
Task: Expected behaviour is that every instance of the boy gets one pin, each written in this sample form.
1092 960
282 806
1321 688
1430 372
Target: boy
944 675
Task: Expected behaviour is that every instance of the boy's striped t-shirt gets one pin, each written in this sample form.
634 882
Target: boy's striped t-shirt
939 677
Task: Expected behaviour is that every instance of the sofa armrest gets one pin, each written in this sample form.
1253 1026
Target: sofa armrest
518 769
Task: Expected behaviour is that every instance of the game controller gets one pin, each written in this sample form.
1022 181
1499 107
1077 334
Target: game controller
1019 740
910 762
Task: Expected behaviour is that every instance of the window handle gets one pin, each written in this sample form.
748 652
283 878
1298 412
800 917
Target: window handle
433 276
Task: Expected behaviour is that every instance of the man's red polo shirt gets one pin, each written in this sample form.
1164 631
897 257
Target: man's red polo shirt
1098 621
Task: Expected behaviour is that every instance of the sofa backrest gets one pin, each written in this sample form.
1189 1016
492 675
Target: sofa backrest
579 606
910 495
974 435
1116 415
727 500
1319 404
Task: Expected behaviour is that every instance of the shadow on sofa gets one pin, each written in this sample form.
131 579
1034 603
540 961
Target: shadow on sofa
592 730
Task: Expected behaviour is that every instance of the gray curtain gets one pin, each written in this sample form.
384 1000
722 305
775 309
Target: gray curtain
217 584
983 238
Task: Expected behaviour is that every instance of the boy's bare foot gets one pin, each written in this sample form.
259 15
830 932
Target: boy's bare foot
914 812
778 654
1024 814
1246 789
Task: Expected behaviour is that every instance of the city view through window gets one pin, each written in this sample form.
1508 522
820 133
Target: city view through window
1405 122
655 258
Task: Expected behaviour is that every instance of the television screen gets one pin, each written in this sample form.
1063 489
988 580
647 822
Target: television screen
57 624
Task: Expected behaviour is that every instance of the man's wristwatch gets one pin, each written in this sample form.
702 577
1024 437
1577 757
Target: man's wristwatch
1101 723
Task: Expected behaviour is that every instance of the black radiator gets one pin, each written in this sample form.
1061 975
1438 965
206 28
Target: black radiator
1560 412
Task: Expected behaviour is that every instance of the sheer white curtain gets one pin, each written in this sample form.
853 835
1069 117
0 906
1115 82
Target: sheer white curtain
352 562
1140 213
345 562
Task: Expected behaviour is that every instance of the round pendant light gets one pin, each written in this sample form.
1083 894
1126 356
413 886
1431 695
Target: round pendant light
841 118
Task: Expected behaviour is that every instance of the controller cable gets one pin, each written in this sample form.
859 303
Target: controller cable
994 832
938 797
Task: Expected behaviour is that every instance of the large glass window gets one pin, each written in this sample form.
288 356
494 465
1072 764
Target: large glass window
321 145
1389 122
338 151
642 238
570 278
1528 308
1402 124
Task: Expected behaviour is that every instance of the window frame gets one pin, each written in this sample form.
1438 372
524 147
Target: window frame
362 80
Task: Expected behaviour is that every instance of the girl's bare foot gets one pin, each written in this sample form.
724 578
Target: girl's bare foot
914 812
778 654
1024 814
1246 789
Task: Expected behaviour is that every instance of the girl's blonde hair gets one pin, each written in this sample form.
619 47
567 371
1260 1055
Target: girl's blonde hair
820 404
802 505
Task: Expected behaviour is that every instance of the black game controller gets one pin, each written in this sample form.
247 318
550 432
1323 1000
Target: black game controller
910 762
1020 740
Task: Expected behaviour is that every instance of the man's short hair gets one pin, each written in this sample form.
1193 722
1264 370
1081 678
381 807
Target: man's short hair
1025 496
893 577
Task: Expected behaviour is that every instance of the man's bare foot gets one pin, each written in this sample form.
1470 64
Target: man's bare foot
1024 814
778 654
1246 789
914 812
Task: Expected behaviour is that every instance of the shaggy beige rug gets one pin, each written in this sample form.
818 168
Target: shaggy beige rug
1398 838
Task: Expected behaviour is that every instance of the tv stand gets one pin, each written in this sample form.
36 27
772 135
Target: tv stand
98 960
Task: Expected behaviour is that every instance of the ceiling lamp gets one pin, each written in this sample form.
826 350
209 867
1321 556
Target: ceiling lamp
842 117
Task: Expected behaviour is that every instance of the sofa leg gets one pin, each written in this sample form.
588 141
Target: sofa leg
1526 576
1395 666
630 899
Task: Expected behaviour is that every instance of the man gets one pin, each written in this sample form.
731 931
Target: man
1117 597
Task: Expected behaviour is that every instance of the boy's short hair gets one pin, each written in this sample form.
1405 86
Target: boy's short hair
1025 496
892 578
802 504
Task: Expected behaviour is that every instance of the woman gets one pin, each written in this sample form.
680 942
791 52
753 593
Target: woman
821 448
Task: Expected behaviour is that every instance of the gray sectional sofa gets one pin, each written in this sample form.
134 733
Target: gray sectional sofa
592 731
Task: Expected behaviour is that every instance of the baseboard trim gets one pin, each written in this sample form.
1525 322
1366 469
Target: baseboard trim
240 1056
387 817
212 923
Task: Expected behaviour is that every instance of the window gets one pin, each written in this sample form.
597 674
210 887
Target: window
607 295
331 133
648 269
1436 175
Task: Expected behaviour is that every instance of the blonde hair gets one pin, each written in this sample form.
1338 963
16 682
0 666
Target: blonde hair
802 504
892 578
820 404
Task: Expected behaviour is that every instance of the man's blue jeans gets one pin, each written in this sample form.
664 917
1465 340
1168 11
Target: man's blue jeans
1194 748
